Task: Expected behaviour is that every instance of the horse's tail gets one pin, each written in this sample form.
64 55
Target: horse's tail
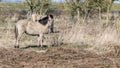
16 32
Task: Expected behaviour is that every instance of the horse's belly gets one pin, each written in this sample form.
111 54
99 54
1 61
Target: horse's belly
31 29
35 28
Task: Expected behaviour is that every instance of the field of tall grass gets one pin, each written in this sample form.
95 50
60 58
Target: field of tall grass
87 33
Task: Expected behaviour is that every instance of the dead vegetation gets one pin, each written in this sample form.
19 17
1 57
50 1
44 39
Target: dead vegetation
88 43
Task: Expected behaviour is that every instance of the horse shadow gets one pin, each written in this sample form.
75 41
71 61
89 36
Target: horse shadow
56 32
34 47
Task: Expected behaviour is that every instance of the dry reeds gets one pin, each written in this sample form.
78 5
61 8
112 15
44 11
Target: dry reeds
93 32
86 32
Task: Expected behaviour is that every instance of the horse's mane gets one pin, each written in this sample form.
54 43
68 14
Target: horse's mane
45 19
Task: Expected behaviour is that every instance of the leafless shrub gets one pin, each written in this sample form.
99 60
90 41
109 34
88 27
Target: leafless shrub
106 40
91 32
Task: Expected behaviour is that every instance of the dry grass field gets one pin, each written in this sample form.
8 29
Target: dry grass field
87 43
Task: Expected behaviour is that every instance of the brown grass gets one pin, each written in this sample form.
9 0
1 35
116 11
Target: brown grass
91 33
88 43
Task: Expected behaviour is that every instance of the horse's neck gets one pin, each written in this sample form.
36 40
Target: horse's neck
42 26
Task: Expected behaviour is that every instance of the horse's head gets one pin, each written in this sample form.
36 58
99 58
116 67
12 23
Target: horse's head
35 17
50 19
50 23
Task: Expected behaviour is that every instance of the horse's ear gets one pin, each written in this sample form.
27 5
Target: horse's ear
51 16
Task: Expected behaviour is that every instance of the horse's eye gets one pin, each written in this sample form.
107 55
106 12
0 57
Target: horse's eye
35 20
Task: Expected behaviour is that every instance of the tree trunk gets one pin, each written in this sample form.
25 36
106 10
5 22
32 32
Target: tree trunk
78 14
31 9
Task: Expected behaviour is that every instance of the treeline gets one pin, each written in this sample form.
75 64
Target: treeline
73 7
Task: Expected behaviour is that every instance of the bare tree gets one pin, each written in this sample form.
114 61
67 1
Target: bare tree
79 7
38 6
74 6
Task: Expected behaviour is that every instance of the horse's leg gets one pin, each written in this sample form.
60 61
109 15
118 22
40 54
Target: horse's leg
16 43
16 37
19 33
17 40
52 28
40 40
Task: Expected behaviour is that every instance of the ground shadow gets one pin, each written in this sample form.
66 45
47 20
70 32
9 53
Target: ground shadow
56 32
35 46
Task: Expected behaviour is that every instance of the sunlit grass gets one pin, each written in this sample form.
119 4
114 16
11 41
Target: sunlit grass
12 5
115 7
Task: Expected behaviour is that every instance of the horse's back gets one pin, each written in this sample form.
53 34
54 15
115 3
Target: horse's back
34 27
24 21
21 25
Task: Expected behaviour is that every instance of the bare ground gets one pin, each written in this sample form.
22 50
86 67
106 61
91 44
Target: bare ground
56 57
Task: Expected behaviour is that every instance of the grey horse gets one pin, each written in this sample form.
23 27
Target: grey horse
34 28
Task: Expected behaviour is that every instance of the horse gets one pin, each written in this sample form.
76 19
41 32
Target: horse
34 28
36 17
44 22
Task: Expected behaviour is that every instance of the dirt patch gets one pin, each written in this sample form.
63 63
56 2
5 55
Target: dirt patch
56 57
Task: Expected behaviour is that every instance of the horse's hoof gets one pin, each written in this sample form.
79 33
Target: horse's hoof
16 46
